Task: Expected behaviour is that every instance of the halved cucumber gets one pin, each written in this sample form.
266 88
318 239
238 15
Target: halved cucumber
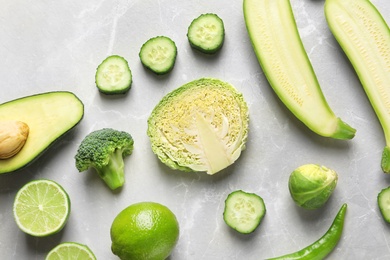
365 38
243 211
274 35
206 33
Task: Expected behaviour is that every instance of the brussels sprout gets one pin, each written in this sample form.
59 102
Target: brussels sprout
311 185
201 126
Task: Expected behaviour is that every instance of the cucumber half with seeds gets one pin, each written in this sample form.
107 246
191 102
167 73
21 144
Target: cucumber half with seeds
113 75
206 33
275 38
158 54
243 211
364 36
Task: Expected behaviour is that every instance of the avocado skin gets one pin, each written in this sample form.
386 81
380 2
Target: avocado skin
43 112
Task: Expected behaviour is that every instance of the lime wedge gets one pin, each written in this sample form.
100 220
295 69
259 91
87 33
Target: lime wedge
71 250
41 208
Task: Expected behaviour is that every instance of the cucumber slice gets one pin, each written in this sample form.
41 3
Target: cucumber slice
274 35
384 203
113 75
243 211
158 54
364 36
206 33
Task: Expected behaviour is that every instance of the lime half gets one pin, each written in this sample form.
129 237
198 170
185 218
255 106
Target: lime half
71 250
41 208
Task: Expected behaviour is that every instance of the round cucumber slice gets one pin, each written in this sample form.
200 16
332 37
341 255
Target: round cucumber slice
206 33
113 76
244 211
158 54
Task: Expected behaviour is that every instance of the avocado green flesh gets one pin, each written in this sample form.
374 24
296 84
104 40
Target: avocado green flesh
48 115
273 32
364 36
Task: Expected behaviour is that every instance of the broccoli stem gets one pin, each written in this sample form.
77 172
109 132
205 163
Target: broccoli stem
113 173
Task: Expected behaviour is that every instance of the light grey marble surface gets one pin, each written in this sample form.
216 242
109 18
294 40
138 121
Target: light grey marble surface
57 45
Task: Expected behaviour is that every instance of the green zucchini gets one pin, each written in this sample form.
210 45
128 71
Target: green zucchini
275 38
364 36
48 115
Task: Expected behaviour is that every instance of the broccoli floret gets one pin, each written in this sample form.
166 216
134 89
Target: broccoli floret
104 150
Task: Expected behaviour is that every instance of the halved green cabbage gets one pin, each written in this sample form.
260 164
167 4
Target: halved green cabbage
201 126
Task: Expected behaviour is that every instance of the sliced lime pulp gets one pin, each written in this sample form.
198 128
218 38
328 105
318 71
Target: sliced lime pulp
41 208
71 250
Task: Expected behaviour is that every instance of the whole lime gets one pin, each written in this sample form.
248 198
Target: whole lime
145 230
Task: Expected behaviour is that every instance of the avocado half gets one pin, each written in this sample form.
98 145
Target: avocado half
49 116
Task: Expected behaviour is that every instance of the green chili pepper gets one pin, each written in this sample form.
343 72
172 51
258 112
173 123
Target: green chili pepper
323 246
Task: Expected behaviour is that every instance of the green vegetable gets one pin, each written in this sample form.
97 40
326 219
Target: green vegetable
200 126
384 203
104 150
158 54
113 76
243 211
274 35
49 116
365 38
206 33
323 246
311 185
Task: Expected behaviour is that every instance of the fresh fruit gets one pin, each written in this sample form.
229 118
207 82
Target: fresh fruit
145 230
277 44
13 136
41 208
243 211
48 115
71 250
113 75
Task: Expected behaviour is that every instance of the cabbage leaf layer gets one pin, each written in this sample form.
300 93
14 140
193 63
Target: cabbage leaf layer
200 126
